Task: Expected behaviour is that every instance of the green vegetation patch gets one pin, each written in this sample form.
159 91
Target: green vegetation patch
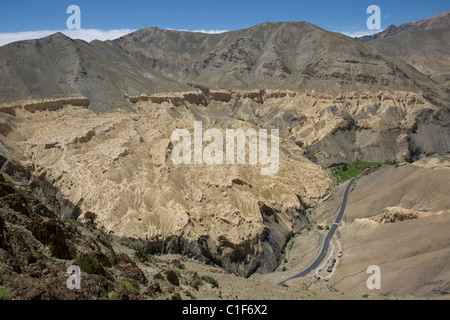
128 285
210 280
345 171
284 256
86 263
178 272
5 293
141 254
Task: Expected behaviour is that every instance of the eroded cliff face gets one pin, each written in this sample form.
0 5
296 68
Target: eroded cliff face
117 167
369 126
43 104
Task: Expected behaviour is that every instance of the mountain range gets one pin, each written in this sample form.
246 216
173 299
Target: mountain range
436 22
285 55
423 44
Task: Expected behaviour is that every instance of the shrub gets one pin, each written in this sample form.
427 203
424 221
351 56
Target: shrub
282 257
193 296
141 254
210 280
128 285
105 284
5 293
86 263
391 162
123 256
178 272
172 277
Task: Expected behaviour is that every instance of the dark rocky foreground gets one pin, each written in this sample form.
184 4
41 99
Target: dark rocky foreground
37 247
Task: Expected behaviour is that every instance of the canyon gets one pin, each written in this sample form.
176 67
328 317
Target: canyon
88 130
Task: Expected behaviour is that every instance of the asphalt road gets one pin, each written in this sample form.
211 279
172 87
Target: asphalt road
330 234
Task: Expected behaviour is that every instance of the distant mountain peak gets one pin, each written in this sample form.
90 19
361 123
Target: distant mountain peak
439 21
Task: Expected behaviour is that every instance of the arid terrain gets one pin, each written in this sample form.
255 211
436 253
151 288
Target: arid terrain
87 175
391 221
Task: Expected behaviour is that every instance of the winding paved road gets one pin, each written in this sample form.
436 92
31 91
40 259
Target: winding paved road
330 234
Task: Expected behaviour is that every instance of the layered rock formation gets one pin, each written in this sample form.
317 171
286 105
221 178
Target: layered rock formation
118 166
394 214
44 104
37 250
372 127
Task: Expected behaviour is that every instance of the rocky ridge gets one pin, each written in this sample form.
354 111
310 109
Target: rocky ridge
37 247
333 129
294 56
439 21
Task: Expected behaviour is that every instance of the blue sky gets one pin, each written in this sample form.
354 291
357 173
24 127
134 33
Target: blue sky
113 18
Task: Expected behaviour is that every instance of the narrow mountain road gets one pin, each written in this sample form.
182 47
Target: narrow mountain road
330 234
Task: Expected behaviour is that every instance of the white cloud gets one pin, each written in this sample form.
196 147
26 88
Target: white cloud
95 34
210 31
91 34
201 30
83 34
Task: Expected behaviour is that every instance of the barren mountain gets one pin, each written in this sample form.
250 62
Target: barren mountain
426 50
285 55
436 22
424 44
57 66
